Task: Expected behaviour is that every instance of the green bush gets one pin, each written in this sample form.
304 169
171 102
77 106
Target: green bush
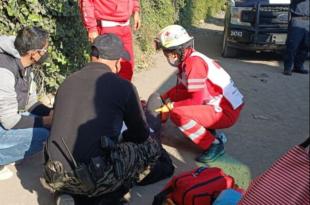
196 11
68 43
157 14
68 39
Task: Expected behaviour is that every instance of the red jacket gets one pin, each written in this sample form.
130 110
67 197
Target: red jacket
110 10
193 83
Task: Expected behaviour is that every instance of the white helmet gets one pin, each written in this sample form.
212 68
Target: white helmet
172 37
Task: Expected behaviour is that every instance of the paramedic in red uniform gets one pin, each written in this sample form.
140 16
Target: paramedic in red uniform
205 97
111 16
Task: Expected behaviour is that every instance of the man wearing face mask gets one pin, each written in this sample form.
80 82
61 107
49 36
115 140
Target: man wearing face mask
205 97
24 121
84 145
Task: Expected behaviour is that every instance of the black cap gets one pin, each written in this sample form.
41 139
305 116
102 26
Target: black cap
110 47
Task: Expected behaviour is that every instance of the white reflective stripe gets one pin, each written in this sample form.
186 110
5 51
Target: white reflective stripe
190 87
105 23
198 133
188 125
197 80
218 76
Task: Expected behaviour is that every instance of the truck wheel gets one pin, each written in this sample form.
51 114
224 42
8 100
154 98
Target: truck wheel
228 52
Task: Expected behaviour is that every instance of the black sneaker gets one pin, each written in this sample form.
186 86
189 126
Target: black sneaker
211 154
301 71
287 72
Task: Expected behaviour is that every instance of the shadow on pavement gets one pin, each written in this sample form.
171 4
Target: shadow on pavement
29 173
215 20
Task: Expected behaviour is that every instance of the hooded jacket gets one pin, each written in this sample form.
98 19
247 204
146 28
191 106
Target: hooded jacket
17 89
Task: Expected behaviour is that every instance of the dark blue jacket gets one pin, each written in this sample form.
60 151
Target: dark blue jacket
299 8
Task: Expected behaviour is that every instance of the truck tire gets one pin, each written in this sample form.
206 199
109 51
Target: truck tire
228 52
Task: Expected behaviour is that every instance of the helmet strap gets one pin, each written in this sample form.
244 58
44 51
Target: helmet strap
180 52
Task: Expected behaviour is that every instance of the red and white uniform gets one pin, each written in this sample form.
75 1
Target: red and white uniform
204 98
112 16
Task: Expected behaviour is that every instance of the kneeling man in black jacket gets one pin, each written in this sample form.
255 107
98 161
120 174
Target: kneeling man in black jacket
84 154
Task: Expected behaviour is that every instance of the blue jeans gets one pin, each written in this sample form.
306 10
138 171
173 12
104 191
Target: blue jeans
297 45
16 144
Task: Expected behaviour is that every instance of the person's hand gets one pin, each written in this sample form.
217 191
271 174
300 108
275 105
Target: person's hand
162 109
137 21
92 35
47 120
164 112
165 108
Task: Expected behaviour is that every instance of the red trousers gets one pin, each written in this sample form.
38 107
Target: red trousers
195 120
125 34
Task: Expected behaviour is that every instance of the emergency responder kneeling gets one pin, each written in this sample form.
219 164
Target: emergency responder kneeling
205 97
83 155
